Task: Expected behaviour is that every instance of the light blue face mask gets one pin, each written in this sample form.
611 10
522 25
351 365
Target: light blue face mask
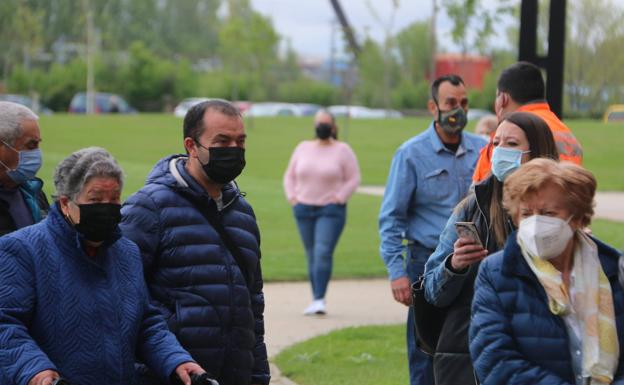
28 165
505 161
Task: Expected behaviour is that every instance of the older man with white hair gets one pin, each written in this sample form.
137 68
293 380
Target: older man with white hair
22 201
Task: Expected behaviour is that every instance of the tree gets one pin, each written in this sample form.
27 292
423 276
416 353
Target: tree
594 59
372 64
414 51
148 80
248 47
473 24
21 32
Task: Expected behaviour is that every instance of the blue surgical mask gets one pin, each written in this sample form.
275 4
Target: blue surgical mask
505 161
28 165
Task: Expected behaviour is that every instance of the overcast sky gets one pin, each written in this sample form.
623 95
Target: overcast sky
307 23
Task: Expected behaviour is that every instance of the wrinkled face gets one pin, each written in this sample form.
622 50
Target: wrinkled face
219 131
548 201
96 190
509 135
29 140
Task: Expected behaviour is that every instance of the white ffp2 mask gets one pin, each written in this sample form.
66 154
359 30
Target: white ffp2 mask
544 237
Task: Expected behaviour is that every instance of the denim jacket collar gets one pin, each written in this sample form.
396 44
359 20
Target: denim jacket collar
437 144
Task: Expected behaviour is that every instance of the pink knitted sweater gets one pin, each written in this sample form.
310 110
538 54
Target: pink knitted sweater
320 174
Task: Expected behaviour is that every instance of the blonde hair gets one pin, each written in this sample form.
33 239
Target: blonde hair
578 187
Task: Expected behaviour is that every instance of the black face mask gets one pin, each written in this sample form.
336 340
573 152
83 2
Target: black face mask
225 163
323 130
98 221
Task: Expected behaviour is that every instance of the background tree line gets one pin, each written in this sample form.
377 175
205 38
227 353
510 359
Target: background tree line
156 52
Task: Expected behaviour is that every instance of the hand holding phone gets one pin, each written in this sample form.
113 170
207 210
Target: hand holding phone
468 248
468 230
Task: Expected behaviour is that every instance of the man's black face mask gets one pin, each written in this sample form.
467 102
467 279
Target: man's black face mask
224 163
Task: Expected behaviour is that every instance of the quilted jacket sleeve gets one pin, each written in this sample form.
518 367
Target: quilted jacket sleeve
260 371
494 353
140 223
20 356
158 347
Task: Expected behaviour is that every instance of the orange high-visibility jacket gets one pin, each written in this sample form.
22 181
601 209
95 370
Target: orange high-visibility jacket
569 148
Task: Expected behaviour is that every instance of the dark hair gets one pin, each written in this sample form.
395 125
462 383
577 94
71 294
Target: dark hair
194 119
541 140
541 144
523 82
451 78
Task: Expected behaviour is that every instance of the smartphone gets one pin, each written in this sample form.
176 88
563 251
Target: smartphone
468 230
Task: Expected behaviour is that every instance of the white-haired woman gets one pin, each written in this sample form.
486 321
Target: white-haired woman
73 301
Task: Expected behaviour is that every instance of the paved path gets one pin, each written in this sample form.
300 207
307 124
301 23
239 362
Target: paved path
349 303
609 204
354 302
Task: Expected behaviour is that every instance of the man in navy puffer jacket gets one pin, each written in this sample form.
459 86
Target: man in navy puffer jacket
212 296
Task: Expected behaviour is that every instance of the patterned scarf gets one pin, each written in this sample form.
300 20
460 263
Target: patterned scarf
592 305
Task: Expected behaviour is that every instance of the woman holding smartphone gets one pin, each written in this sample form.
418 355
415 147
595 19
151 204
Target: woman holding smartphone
451 270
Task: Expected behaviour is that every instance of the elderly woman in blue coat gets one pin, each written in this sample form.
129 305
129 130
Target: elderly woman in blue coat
548 309
73 301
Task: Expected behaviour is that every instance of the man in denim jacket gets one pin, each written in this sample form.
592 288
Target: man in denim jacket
429 175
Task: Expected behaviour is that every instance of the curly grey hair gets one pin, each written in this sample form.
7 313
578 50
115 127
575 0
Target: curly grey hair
11 117
80 167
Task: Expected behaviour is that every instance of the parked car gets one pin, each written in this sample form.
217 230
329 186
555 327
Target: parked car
615 113
105 103
361 112
272 109
27 101
182 108
307 109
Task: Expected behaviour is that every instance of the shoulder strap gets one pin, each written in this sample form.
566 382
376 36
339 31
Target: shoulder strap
229 243
214 217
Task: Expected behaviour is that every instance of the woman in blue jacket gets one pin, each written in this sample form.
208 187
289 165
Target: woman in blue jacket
548 309
451 270
73 301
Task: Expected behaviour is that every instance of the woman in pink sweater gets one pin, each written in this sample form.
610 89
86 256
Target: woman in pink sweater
321 176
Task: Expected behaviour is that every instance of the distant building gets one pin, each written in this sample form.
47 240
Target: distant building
471 68
336 73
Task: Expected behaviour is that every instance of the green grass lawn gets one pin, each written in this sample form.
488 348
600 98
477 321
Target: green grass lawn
370 355
138 141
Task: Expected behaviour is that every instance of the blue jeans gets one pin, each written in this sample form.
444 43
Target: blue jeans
420 364
320 227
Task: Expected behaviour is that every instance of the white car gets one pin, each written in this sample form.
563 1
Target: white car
273 109
361 112
185 105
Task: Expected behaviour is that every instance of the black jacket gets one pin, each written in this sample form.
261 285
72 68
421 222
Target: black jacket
452 364
32 188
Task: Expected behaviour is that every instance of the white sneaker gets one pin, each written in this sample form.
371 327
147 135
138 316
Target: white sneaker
317 307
